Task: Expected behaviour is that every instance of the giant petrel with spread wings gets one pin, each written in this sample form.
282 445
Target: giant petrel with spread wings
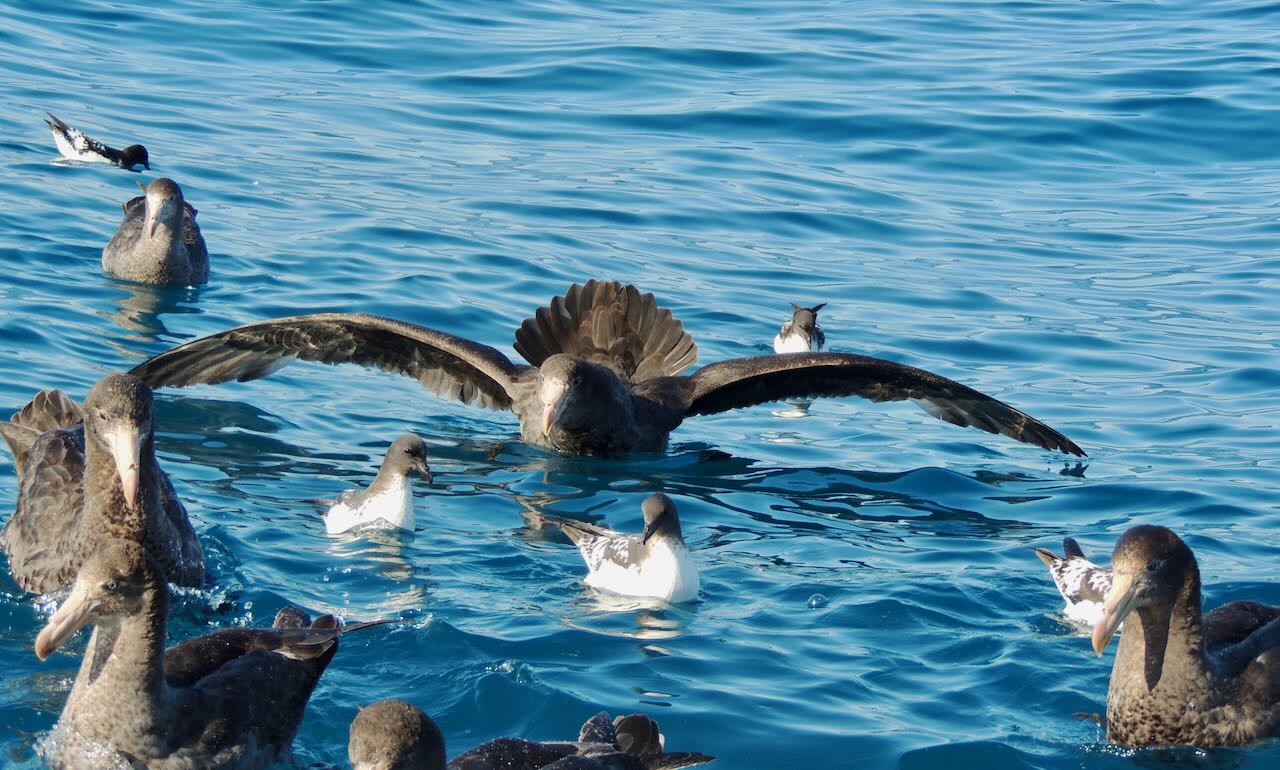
604 373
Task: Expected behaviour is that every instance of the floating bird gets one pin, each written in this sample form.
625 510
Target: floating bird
1082 583
158 242
801 334
89 474
1181 678
389 499
605 375
397 735
653 564
229 699
73 144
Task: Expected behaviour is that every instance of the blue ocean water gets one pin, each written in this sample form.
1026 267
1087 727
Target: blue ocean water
1069 205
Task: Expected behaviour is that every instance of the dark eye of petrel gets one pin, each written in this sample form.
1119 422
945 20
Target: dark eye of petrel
111 585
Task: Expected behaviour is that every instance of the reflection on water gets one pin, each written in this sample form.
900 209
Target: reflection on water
382 549
140 308
627 616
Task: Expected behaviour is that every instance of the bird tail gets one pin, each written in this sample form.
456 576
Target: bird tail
610 324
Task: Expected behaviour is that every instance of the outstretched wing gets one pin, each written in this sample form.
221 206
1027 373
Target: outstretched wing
742 382
609 324
448 366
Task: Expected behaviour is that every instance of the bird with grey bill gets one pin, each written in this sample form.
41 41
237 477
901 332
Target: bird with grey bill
1082 583
389 499
1181 677
158 241
654 563
603 376
397 735
229 699
74 144
87 474
801 334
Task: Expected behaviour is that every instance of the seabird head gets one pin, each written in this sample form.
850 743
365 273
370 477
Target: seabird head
1149 567
164 205
406 454
805 318
395 735
660 517
573 391
118 413
133 156
110 584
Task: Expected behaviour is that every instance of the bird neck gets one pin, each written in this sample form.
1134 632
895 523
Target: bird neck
123 670
1161 657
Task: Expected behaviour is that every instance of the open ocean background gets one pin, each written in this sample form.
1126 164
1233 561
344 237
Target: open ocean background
1072 206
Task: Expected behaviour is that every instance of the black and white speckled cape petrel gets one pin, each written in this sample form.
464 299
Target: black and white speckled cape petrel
230 699
1181 678
603 375
89 474
76 145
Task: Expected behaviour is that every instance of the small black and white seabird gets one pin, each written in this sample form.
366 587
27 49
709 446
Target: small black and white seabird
158 241
604 375
389 499
801 334
1082 583
654 564
75 145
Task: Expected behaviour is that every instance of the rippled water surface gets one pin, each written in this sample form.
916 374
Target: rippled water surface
1069 205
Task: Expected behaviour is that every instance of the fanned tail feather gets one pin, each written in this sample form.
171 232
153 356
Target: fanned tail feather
610 324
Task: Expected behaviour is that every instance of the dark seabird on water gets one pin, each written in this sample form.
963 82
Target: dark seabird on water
75 145
652 564
604 375
397 735
1182 678
229 699
1082 583
389 499
158 241
89 474
801 334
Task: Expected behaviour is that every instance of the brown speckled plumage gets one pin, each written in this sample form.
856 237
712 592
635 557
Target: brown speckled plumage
158 241
71 495
1179 677
230 699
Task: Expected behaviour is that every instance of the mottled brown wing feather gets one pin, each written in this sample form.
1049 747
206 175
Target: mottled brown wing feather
748 381
610 324
49 410
448 366
43 535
